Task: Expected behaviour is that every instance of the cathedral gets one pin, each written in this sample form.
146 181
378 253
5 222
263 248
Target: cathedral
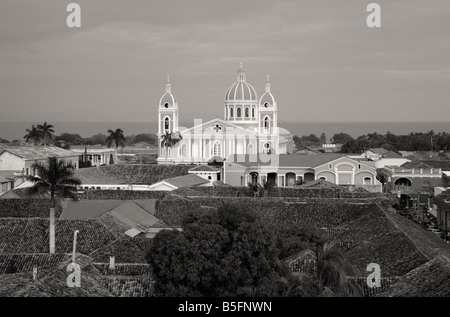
249 126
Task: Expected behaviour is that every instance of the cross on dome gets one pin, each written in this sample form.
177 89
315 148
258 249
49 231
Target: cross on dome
241 74
168 87
267 84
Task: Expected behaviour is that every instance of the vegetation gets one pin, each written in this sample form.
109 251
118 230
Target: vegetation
115 138
170 139
41 132
429 141
224 252
332 271
46 131
233 251
33 135
56 178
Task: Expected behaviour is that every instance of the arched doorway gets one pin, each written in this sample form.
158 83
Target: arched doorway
308 177
406 201
290 179
253 178
272 177
404 182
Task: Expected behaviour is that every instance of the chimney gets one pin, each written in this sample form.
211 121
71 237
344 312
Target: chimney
112 263
52 230
35 273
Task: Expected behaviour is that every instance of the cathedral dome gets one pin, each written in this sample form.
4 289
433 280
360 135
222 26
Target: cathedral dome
241 90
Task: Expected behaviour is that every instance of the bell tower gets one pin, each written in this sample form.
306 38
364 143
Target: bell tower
268 121
167 118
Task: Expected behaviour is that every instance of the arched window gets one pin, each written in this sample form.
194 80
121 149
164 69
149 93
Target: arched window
367 180
266 123
231 112
217 149
183 150
253 112
246 112
238 112
166 124
166 105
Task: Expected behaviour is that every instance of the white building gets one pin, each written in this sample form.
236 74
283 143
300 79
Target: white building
249 126
97 156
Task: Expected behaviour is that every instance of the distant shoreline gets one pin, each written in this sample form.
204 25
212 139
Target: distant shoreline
16 130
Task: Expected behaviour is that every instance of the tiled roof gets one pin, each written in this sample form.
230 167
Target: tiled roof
379 150
52 282
186 181
204 168
38 153
320 183
392 154
431 279
96 176
308 161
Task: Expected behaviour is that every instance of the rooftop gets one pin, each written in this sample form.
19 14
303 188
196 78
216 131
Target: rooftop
39 153
186 181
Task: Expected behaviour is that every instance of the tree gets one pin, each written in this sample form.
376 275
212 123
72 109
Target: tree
69 138
46 131
115 138
169 140
323 138
56 178
332 269
33 135
342 138
223 252
445 180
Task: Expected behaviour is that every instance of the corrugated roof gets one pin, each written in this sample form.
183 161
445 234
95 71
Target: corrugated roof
88 209
39 153
186 181
134 215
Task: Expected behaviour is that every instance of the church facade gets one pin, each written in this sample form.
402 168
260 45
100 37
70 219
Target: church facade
249 126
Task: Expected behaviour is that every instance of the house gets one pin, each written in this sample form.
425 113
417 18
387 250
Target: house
288 170
131 218
7 181
173 183
94 178
305 150
21 158
97 155
441 207
210 173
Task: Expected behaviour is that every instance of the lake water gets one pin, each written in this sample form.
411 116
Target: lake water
16 130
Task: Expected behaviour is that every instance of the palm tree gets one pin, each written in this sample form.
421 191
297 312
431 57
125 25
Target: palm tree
115 138
46 131
332 268
169 140
432 134
33 135
55 177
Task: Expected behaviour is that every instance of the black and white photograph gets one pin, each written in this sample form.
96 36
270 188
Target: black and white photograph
213 156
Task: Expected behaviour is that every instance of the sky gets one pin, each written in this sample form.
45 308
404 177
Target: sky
324 62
